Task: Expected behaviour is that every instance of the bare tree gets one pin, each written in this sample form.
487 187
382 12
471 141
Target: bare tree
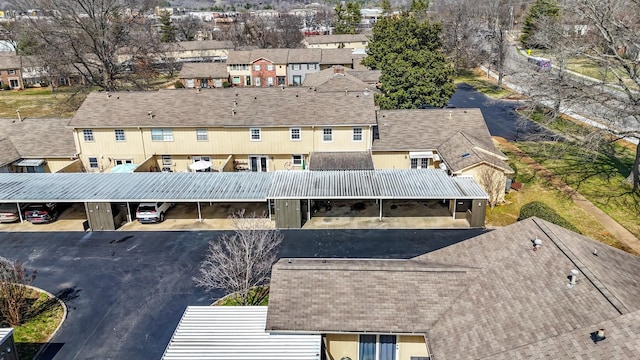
498 17
95 37
493 181
187 28
13 290
241 262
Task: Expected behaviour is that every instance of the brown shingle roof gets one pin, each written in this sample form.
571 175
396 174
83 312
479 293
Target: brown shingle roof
239 57
253 107
8 152
9 61
462 151
334 79
340 161
336 57
338 38
497 297
368 76
204 45
302 56
276 56
40 138
423 130
204 70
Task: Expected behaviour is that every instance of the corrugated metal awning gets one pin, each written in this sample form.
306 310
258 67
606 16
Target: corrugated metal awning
29 162
234 333
373 184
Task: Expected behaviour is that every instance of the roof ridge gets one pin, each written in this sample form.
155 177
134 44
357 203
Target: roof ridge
617 304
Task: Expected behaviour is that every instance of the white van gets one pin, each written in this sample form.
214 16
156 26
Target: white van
152 212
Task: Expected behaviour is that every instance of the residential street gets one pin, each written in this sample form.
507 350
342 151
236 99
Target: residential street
126 291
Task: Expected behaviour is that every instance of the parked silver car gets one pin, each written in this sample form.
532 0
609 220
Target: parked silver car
8 213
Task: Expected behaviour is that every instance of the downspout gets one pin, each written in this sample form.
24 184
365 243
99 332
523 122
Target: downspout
144 150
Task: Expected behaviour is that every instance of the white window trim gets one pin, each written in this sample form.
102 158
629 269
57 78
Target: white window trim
299 134
353 134
323 134
97 162
397 350
293 162
166 133
259 134
202 132
270 67
88 133
124 136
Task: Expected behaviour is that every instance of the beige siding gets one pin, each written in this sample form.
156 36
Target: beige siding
391 160
281 69
411 346
341 345
476 173
55 165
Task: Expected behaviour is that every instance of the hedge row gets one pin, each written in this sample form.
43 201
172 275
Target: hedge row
543 211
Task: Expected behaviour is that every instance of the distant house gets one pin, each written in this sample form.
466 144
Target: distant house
333 57
346 41
302 62
269 67
203 75
529 290
10 72
336 79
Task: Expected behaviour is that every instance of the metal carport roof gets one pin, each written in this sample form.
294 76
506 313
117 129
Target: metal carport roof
135 187
236 186
235 333
373 184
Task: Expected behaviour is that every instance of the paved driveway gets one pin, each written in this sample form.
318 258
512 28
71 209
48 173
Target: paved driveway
126 291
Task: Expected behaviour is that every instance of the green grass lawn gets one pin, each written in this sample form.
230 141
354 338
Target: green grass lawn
538 189
482 84
40 321
40 102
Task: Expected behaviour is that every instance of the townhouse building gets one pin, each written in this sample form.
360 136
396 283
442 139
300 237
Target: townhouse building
10 72
252 129
203 75
340 41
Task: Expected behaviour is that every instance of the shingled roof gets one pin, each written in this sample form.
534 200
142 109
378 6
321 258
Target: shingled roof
423 130
302 56
335 79
204 70
232 107
336 57
8 152
204 45
337 38
488 297
462 151
36 138
359 160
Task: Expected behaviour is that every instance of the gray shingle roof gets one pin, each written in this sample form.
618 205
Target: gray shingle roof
368 76
276 56
204 45
253 107
239 57
334 79
9 61
462 151
423 130
338 38
302 56
336 57
497 297
204 70
340 161
39 138
8 152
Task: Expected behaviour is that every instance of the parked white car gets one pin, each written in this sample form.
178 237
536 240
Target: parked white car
152 212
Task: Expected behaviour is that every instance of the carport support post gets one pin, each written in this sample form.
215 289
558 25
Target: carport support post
308 209
380 209
269 208
455 203
199 213
129 213
19 212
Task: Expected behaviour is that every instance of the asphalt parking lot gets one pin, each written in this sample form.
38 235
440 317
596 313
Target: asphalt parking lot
126 291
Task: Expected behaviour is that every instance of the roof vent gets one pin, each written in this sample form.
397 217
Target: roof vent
150 113
235 103
465 155
233 112
450 114
595 252
108 95
296 95
537 244
573 277
366 92
198 91
598 336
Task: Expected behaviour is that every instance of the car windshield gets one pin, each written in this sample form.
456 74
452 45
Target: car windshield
146 208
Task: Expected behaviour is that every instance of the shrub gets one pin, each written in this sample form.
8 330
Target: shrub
543 211
226 84
6 87
179 85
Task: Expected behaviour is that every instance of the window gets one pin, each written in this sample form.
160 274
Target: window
236 80
201 158
256 67
93 162
14 83
357 134
377 347
202 135
296 66
88 135
256 134
419 163
296 160
270 67
311 66
256 81
327 134
123 161
269 81
161 134
12 71
236 67
120 135
297 80
295 134
166 160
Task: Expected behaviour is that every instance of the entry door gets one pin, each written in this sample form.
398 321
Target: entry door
258 163
191 83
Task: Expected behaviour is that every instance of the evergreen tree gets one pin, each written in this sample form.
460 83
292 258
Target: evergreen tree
414 69
347 18
386 7
418 6
167 30
539 10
